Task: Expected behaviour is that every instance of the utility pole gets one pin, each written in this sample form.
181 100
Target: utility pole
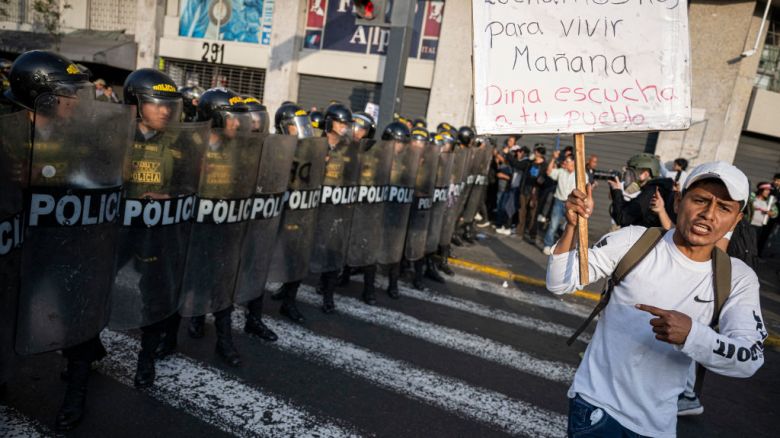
401 23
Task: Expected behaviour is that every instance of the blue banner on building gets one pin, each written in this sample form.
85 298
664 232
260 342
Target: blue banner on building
246 21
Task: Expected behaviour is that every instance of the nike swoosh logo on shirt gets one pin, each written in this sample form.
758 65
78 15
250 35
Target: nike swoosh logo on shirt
699 300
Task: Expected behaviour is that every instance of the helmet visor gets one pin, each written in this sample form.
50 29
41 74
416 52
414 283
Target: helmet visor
63 97
157 112
236 121
259 121
299 126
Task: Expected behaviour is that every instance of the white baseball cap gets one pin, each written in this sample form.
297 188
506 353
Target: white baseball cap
734 179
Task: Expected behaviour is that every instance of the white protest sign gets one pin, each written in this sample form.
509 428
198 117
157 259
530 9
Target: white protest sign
578 66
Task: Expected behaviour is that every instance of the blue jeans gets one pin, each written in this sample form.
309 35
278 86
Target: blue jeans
588 421
557 219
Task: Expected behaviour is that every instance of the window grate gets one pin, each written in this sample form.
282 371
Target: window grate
242 80
112 15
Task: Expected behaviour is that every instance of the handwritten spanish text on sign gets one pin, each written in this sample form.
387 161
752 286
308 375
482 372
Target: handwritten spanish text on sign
575 66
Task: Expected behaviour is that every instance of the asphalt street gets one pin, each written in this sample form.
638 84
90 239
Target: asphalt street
468 358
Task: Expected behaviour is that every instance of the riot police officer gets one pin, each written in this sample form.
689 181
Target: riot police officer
465 138
59 310
317 122
190 96
364 126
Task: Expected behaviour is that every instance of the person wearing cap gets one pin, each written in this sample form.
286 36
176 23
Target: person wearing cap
633 199
657 320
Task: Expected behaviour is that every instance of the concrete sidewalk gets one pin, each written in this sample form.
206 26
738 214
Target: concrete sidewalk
513 258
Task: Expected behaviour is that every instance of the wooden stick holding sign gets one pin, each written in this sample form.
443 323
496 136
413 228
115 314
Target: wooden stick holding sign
582 223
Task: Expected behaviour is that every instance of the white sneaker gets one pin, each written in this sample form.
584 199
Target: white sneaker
504 230
477 217
689 406
547 250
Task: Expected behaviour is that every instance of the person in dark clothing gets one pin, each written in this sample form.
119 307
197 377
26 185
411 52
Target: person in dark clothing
632 203
533 181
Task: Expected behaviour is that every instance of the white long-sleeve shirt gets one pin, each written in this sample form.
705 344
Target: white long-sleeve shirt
626 371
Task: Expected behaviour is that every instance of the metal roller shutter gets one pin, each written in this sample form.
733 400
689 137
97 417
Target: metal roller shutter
613 150
242 80
758 157
319 91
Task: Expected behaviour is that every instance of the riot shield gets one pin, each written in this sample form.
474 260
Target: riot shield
441 188
480 165
227 184
14 144
457 184
398 201
376 159
267 206
76 163
334 218
422 205
292 249
155 222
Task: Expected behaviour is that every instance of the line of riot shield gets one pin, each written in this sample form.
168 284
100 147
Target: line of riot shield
480 165
75 176
14 144
454 195
334 219
158 205
267 206
376 159
225 192
441 188
422 205
399 195
292 251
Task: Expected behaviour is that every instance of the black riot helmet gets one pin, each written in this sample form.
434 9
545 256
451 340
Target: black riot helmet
466 136
420 134
259 114
155 95
317 119
420 123
337 113
290 119
191 95
221 105
444 126
363 121
40 72
397 131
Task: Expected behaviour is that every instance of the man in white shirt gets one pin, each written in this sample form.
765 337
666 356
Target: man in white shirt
565 177
657 320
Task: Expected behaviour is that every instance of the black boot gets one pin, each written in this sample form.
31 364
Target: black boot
369 276
468 233
444 265
288 308
417 280
456 240
392 281
170 337
225 348
328 281
431 271
72 409
254 324
144 373
197 329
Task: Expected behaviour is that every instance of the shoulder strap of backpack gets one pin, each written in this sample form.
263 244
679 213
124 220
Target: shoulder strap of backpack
721 270
635 254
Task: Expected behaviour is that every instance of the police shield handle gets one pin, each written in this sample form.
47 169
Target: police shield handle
582 223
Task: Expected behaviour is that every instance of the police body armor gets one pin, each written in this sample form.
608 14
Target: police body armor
77 159
292 251
398 201
422 205
440 196
14 144
160 197
376 160
334 219
480 166
455 193
227 185
267 207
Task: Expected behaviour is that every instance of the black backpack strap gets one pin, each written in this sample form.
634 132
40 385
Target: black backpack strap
638 251
721 270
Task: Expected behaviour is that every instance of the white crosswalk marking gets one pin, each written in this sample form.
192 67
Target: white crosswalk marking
511 415
456 303
215 397
13 424
447 337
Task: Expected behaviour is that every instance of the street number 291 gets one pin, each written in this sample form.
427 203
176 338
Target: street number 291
213 53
